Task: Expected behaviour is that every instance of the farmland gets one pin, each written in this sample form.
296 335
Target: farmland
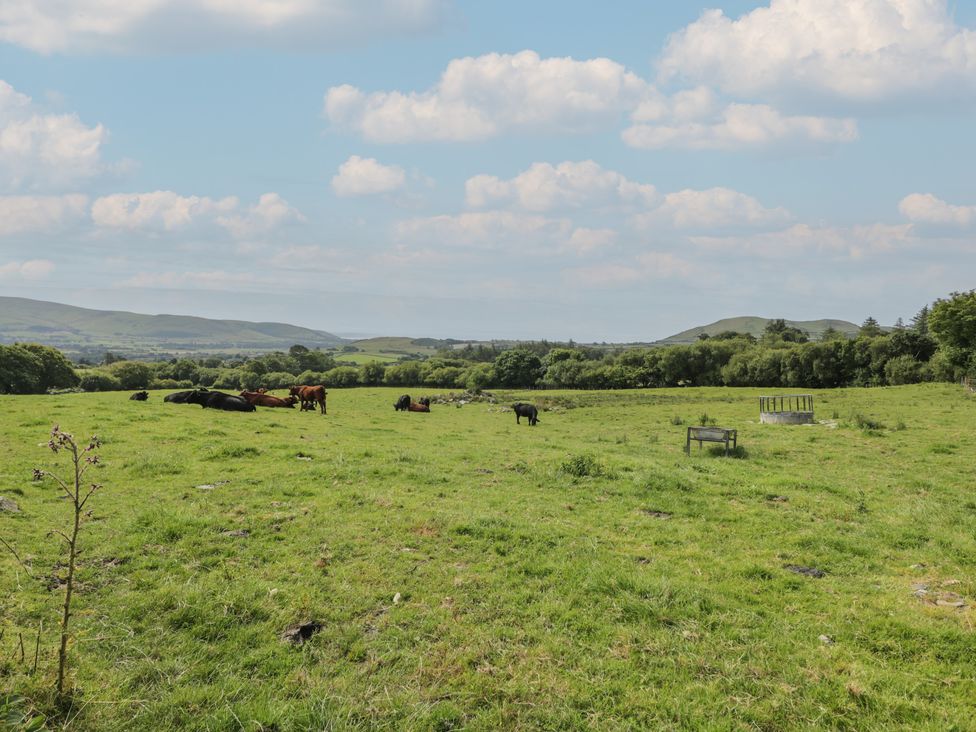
469 573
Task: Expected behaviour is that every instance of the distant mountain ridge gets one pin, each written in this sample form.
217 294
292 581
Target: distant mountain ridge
755 326
83 330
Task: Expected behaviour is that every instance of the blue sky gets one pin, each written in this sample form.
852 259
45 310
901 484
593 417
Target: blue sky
595 171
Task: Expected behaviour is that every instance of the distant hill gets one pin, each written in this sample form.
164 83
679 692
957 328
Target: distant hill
756 326
81 330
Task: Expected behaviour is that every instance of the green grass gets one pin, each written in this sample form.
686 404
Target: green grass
581 574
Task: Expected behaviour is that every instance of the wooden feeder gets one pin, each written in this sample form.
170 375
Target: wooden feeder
786 409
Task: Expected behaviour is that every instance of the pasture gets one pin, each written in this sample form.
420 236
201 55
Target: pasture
469 573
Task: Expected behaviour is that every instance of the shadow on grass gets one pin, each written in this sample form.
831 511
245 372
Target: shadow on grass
738 452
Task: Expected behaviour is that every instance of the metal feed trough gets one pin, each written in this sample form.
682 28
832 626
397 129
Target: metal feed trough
786 409
711 434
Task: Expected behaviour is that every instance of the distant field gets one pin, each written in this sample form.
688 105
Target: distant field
394 346
471 573
361 358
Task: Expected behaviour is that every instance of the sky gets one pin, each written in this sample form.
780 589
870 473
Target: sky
450 168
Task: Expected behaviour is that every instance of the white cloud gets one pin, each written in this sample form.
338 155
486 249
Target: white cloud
32 269
478 98
857 242
270 212
644 267
492 230
166 211
926 208
204 280
38 150
20 214
545 187
123 26
159 210
737 126
366 176
864 50
710 209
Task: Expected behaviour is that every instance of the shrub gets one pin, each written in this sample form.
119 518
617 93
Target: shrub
582 466
132 374
99 381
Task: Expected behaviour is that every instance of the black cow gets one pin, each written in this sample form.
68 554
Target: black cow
526 410
425 401
402 404
219 400
181 397
140 396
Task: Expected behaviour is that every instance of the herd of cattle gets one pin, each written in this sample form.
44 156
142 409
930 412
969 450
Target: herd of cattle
308 396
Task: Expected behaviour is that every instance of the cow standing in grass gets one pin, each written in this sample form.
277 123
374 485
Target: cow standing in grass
310 396
526 410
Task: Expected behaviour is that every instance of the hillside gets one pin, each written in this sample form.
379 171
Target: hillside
81 330
755 326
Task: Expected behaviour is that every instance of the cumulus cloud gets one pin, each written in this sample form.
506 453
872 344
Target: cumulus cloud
166 211
863 50
736 126
23 214
545 187
159 210
367 176
481 97
32 269
38 150
270 212
127 26
927 209
712 209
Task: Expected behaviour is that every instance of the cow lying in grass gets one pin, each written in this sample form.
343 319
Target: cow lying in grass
181 397
403 403
140 396
260 399
416 407
526 410
219 400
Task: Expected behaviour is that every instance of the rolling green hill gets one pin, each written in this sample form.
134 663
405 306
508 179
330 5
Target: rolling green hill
755 326
80 330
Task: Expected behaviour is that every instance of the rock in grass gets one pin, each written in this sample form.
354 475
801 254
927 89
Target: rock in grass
9 505
300 633
807 571
826 640
241 533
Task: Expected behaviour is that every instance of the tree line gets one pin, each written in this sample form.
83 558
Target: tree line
938 345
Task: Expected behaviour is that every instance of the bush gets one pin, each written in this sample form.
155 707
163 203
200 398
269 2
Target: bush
99 381
582 466
132 374
904 370
341 376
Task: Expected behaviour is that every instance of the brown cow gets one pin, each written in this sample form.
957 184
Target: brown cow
310 396
414 407
267 400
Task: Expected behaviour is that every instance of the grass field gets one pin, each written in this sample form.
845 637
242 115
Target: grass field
469 573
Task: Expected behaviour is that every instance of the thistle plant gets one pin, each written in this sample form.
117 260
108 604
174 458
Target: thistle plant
78 493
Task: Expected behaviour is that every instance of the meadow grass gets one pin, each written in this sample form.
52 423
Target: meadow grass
581 574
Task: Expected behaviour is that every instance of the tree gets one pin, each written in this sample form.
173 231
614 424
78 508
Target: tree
870 328
56 371
953 320
518 367
20 371
132 374
920 322
778 331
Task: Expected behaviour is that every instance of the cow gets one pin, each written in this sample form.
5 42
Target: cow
310 396
402 404
415 407
425 401
219 400
260 399
140 396
181 397
526 410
